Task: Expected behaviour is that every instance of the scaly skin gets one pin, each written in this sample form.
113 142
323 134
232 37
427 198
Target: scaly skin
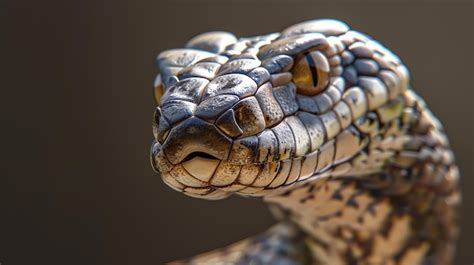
321 122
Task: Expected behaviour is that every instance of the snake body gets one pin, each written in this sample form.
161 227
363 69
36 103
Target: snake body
319 121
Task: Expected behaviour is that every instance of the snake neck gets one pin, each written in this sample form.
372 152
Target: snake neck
399 212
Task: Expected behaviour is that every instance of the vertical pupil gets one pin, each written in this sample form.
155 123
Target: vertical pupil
311 73
312 67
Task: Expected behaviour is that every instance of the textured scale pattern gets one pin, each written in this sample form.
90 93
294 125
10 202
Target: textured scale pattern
321 123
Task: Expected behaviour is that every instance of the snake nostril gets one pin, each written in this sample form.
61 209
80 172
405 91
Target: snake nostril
198 154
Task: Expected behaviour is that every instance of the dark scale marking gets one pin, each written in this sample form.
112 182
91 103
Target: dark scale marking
353 203
372 117
388 224
371 208
329 216
307 198
349 257
413 242
366 149
337 195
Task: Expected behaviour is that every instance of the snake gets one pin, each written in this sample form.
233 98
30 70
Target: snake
320 122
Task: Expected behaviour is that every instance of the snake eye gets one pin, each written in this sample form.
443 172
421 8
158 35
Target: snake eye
311 73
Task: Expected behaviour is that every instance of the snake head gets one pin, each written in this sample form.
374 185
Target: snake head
256 116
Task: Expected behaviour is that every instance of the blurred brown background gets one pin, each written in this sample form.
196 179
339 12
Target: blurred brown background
76 185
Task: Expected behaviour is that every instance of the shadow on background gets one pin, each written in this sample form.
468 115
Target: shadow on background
77 187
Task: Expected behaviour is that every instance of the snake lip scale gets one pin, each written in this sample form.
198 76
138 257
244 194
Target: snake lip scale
319 121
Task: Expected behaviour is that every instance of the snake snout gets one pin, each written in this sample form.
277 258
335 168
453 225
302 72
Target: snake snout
193 138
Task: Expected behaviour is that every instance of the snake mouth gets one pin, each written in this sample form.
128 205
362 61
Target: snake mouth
203 155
